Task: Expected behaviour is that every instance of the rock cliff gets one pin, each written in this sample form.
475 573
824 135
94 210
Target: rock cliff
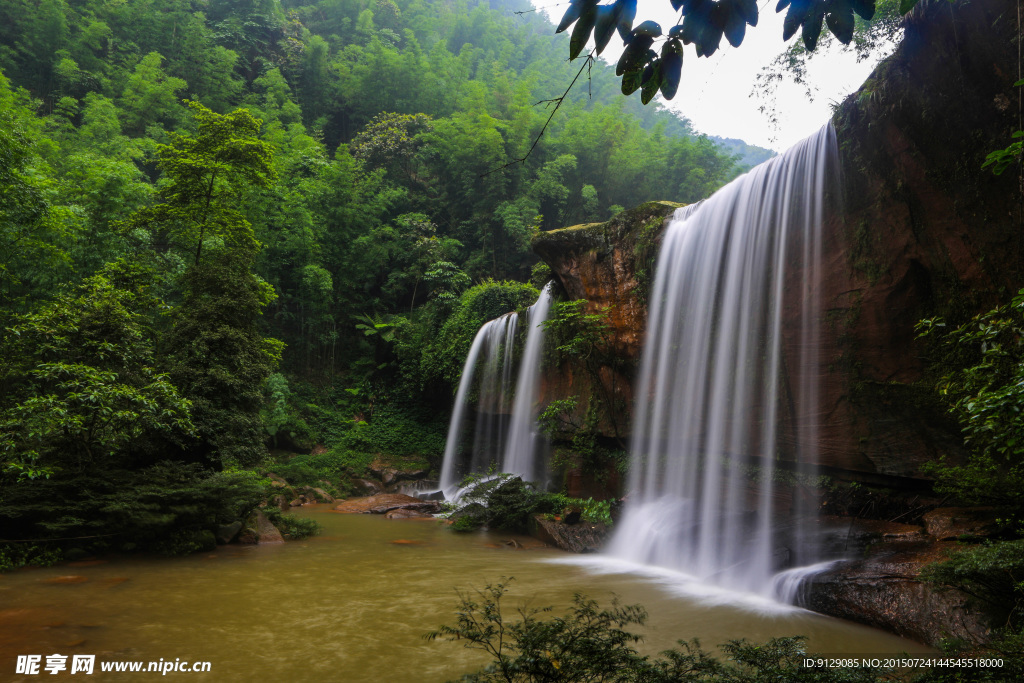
920 230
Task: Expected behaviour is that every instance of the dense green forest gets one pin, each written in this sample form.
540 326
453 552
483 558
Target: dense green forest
230 226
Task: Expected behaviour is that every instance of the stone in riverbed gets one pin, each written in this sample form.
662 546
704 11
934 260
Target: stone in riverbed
403 513
227 532
321 495
368 486
259 529
385 502
575 538
268 533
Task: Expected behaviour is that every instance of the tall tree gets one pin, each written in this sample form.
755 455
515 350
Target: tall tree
215 352
207 175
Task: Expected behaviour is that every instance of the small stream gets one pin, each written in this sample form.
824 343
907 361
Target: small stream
352 605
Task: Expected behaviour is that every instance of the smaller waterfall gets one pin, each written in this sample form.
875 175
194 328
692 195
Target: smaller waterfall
490 344
505 431
522 447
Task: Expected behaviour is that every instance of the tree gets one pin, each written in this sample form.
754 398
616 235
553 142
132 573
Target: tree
591 644
34 235
704 23
215 352
207 175
982 383
219 358
83 388
870 35
150 95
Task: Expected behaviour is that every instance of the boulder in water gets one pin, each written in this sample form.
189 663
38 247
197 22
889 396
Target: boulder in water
268 533
385 502
258 529
884 592
575 538
402 513
227 532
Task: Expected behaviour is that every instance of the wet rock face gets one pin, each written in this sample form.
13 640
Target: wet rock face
574 537
884 592
949 524
925 230
609 265
882 586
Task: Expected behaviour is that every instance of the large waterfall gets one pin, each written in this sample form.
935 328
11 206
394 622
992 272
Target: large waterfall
505 433
724 427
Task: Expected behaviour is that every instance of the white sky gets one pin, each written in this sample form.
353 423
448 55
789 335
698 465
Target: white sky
715 92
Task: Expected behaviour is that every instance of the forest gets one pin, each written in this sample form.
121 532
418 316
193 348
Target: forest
243 225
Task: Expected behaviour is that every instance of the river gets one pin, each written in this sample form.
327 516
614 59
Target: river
353 604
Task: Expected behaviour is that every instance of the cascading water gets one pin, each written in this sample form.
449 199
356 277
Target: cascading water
523 447
731 353
491 340
512 441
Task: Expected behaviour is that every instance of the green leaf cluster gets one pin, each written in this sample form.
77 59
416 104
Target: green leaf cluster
591 643
982 381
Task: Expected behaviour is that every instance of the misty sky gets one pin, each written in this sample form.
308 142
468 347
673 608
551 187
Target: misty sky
715 92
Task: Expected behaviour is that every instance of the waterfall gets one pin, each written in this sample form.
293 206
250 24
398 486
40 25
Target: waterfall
730 359
491 346
522 447
509 441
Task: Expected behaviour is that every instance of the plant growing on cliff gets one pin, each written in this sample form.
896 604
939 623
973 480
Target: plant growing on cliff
982 382
443 358
583 338
579 335
1001 159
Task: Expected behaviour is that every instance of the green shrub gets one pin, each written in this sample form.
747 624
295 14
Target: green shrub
443 359
184 542
335 466
280 416
466 523
292 527
507 502
589 643
127 510
398 430
18 555
992 573
982 382
297 472
502 502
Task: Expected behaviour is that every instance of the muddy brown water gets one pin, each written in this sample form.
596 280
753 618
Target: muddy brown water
350 606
